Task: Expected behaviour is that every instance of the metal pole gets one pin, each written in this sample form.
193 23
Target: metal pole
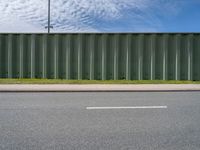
49 13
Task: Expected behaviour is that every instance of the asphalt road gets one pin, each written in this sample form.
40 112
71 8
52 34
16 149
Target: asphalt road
56 121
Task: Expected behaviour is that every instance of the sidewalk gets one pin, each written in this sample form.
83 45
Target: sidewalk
98 87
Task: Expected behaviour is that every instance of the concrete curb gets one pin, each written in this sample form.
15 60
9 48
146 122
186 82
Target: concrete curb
99 88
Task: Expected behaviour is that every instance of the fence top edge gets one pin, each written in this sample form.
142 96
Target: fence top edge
76 33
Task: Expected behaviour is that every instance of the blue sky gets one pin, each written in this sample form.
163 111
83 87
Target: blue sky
187 19
101 15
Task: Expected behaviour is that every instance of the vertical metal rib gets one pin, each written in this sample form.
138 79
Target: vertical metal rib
104 57
128 72
32 56
152 45
116 56
165 62
67 47
55 56
198 53
79 57
190 57
1 72
44 49
177 67
140 57
91 43
9 56
21 56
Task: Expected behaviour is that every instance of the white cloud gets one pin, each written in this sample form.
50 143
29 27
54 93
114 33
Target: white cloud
82 15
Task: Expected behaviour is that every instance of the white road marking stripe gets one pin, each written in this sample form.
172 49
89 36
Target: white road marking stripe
135 107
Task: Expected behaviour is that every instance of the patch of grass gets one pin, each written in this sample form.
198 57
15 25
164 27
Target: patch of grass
59 81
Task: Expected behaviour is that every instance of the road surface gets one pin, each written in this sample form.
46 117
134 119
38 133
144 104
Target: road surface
100 121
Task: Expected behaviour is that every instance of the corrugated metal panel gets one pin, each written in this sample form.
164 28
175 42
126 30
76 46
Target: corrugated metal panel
101 56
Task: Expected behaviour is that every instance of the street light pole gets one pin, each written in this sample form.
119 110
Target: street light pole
49 17
49 13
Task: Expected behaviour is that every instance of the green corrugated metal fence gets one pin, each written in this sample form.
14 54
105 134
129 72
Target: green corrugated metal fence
101 56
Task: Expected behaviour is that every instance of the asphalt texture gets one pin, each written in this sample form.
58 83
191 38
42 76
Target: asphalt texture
60 121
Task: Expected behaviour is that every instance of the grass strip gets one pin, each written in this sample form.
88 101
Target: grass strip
60 81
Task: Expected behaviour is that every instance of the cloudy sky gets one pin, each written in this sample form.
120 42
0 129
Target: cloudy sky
101 15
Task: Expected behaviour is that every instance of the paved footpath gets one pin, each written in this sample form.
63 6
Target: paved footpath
98 87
